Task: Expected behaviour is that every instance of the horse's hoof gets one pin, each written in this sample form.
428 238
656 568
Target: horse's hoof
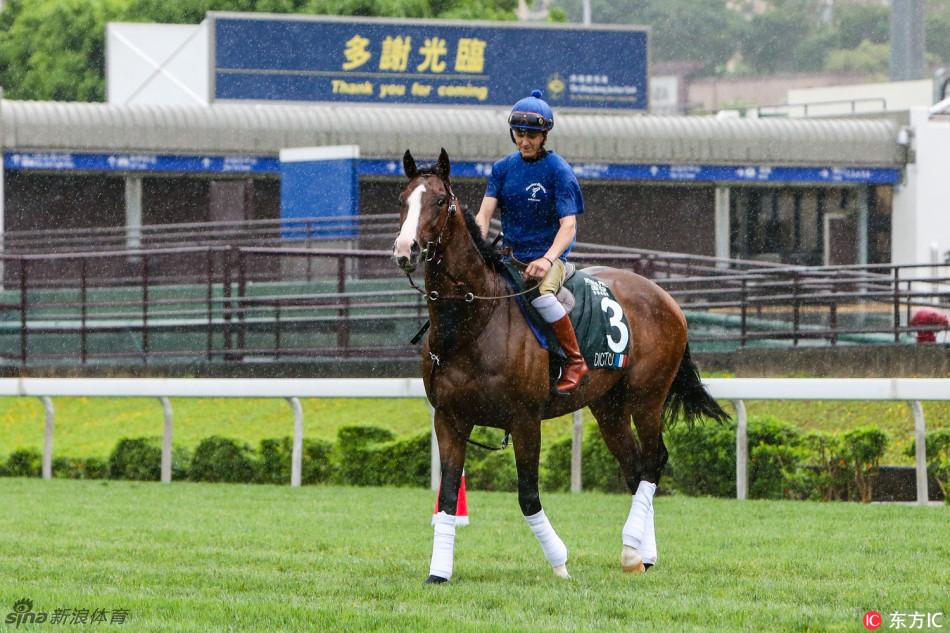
630 561
435 580
561 571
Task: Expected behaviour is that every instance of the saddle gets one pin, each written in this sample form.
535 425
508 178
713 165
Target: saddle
599 322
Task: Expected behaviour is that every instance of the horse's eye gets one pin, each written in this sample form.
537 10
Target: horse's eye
440 201
402 198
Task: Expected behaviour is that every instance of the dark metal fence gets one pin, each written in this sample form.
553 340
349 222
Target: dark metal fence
225 303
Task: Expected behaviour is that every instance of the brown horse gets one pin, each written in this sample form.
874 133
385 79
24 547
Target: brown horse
481 364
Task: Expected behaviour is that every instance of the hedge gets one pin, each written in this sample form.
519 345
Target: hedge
783 462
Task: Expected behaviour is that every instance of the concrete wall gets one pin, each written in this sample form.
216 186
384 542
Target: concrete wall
858 361
896 95
716 93
921 217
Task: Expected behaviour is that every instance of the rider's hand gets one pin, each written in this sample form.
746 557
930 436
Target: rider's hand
538 268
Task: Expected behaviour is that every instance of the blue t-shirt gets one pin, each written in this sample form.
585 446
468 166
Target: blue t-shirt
533 196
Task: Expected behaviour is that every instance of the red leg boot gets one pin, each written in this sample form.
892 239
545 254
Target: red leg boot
575 370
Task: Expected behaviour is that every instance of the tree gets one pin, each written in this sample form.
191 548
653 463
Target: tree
773 39
55 49
857 23
868 59
679 29
937 25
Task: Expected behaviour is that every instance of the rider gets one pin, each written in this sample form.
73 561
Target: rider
540 200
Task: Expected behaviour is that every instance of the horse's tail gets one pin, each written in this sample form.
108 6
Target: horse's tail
688 397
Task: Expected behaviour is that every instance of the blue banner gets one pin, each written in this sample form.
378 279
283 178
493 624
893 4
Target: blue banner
298 58
668 173
67 161
158 163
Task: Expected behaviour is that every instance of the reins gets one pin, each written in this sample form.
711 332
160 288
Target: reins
468 297
429 253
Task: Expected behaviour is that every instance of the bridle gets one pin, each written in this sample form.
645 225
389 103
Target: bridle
429 253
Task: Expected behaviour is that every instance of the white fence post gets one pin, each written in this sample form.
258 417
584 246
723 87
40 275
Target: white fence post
577 443
742 450
920 439
48 437
166 441
296 453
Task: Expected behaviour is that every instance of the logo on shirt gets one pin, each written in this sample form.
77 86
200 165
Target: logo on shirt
534 188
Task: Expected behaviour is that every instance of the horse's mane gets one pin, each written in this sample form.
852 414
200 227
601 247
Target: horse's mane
491 256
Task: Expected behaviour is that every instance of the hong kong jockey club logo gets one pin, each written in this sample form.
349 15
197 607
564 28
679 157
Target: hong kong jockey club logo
535 188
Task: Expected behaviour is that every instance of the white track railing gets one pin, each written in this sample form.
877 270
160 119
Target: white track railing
736 390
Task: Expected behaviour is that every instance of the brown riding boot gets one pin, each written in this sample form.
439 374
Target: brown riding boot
575 370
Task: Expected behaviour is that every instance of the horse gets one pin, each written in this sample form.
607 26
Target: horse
481 364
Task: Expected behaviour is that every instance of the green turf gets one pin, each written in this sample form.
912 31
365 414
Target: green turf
92 426
218 557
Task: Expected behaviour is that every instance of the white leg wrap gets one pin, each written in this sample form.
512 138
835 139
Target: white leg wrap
549 307
648 544
554 548
638 531
443 546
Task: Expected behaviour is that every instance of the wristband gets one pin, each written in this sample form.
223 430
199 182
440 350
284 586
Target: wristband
550 261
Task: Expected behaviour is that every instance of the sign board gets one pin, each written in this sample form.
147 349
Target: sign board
306 58
162 163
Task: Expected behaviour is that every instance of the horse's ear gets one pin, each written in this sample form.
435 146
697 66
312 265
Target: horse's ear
443 167
409 165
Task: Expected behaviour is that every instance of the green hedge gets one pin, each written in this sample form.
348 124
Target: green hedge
783 463
140 458
223 459
370 456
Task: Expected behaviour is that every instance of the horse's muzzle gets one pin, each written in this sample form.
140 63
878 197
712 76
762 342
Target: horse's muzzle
408 262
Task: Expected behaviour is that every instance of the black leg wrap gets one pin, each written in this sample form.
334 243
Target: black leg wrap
435 580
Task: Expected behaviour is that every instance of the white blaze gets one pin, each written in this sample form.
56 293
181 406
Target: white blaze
408 232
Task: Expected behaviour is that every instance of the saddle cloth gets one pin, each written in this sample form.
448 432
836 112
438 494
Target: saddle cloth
603 332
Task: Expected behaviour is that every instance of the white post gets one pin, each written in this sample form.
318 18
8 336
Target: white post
48 438
133 212
920 439
742 450
862 227
436 467
585 6
166 441
722 225
577 444
296 454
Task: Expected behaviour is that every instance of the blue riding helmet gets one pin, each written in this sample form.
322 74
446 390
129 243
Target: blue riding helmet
532 113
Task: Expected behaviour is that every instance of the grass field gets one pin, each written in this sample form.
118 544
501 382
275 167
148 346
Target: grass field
87 427
218 557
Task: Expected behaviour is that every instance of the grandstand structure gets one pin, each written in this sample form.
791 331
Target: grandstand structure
803 191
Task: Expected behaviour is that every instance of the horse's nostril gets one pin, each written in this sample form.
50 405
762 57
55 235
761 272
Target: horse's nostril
415 249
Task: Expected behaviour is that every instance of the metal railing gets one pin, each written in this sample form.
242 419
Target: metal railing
737 390
232 304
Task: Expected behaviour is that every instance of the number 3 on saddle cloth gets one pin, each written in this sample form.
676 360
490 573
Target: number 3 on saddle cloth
599 322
